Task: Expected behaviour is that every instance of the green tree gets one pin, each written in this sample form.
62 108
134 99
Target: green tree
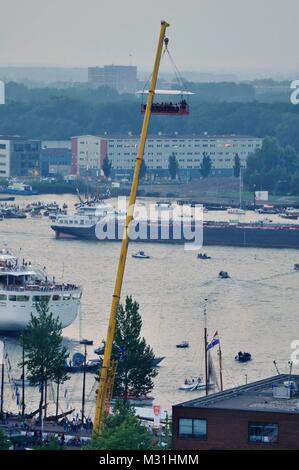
272 167
59 377
237 166
4 442
107 167
122 431
135 371
45 356
205 165
173 166
295 184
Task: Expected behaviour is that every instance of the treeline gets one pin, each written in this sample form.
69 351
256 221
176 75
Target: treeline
226 91
20 93
61 117
274 168
214 92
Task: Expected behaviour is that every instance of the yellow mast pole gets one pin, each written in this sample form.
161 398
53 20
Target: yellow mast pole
103 391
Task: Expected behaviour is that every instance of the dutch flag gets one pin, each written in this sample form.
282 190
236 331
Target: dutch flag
214 342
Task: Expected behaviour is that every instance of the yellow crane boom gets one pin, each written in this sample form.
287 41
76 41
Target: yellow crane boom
107 370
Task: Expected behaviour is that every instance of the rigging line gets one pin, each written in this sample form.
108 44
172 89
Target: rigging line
227 370
150 75
177 72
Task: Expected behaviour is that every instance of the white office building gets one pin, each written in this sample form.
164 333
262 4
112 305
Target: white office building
4 158
122 78
86 155
189 151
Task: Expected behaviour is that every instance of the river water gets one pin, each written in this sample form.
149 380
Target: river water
256 310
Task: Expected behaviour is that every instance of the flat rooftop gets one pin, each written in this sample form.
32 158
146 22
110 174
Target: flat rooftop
256 396
172 136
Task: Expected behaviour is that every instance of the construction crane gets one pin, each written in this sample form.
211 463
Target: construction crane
107 371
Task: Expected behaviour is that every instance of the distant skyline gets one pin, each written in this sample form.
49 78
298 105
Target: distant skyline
231 36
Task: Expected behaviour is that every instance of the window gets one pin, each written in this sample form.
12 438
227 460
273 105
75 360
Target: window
56 297
76 295
41 298
193 428
12 298
3 297
22 298
262 433
2 146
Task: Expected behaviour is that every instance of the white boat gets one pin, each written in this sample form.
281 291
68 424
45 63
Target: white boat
19 189
164 206
84 219
291 212
236 210
194 383
22 285
135 401
140 255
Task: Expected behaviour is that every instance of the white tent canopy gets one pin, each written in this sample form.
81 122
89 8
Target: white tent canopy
165 92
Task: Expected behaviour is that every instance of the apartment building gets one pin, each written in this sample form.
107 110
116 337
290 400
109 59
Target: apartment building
122 78
189 151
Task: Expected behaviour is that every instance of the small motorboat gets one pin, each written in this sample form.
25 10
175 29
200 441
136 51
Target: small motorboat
235 210
284 215
195 383
183 344
296 266
140 255
224 275
203 256
135 401
101 349
77 364
243 356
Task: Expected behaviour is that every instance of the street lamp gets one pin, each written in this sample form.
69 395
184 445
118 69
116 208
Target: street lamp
85 342
254 186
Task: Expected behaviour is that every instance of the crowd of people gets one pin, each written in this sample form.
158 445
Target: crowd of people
24 433
76 424
181 107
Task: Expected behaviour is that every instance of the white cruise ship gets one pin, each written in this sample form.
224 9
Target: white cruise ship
22 285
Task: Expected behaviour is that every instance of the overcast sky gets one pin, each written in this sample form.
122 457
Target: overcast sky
204 34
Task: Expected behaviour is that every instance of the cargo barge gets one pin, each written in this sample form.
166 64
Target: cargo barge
89 223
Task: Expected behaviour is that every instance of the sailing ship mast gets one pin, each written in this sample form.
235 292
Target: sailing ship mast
241 186
206 347
220 366
208 360
2 376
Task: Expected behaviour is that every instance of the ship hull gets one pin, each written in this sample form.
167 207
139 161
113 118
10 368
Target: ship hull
264 237
225 235
17 192
15 316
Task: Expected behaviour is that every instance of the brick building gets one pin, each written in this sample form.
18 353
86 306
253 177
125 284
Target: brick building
260 415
